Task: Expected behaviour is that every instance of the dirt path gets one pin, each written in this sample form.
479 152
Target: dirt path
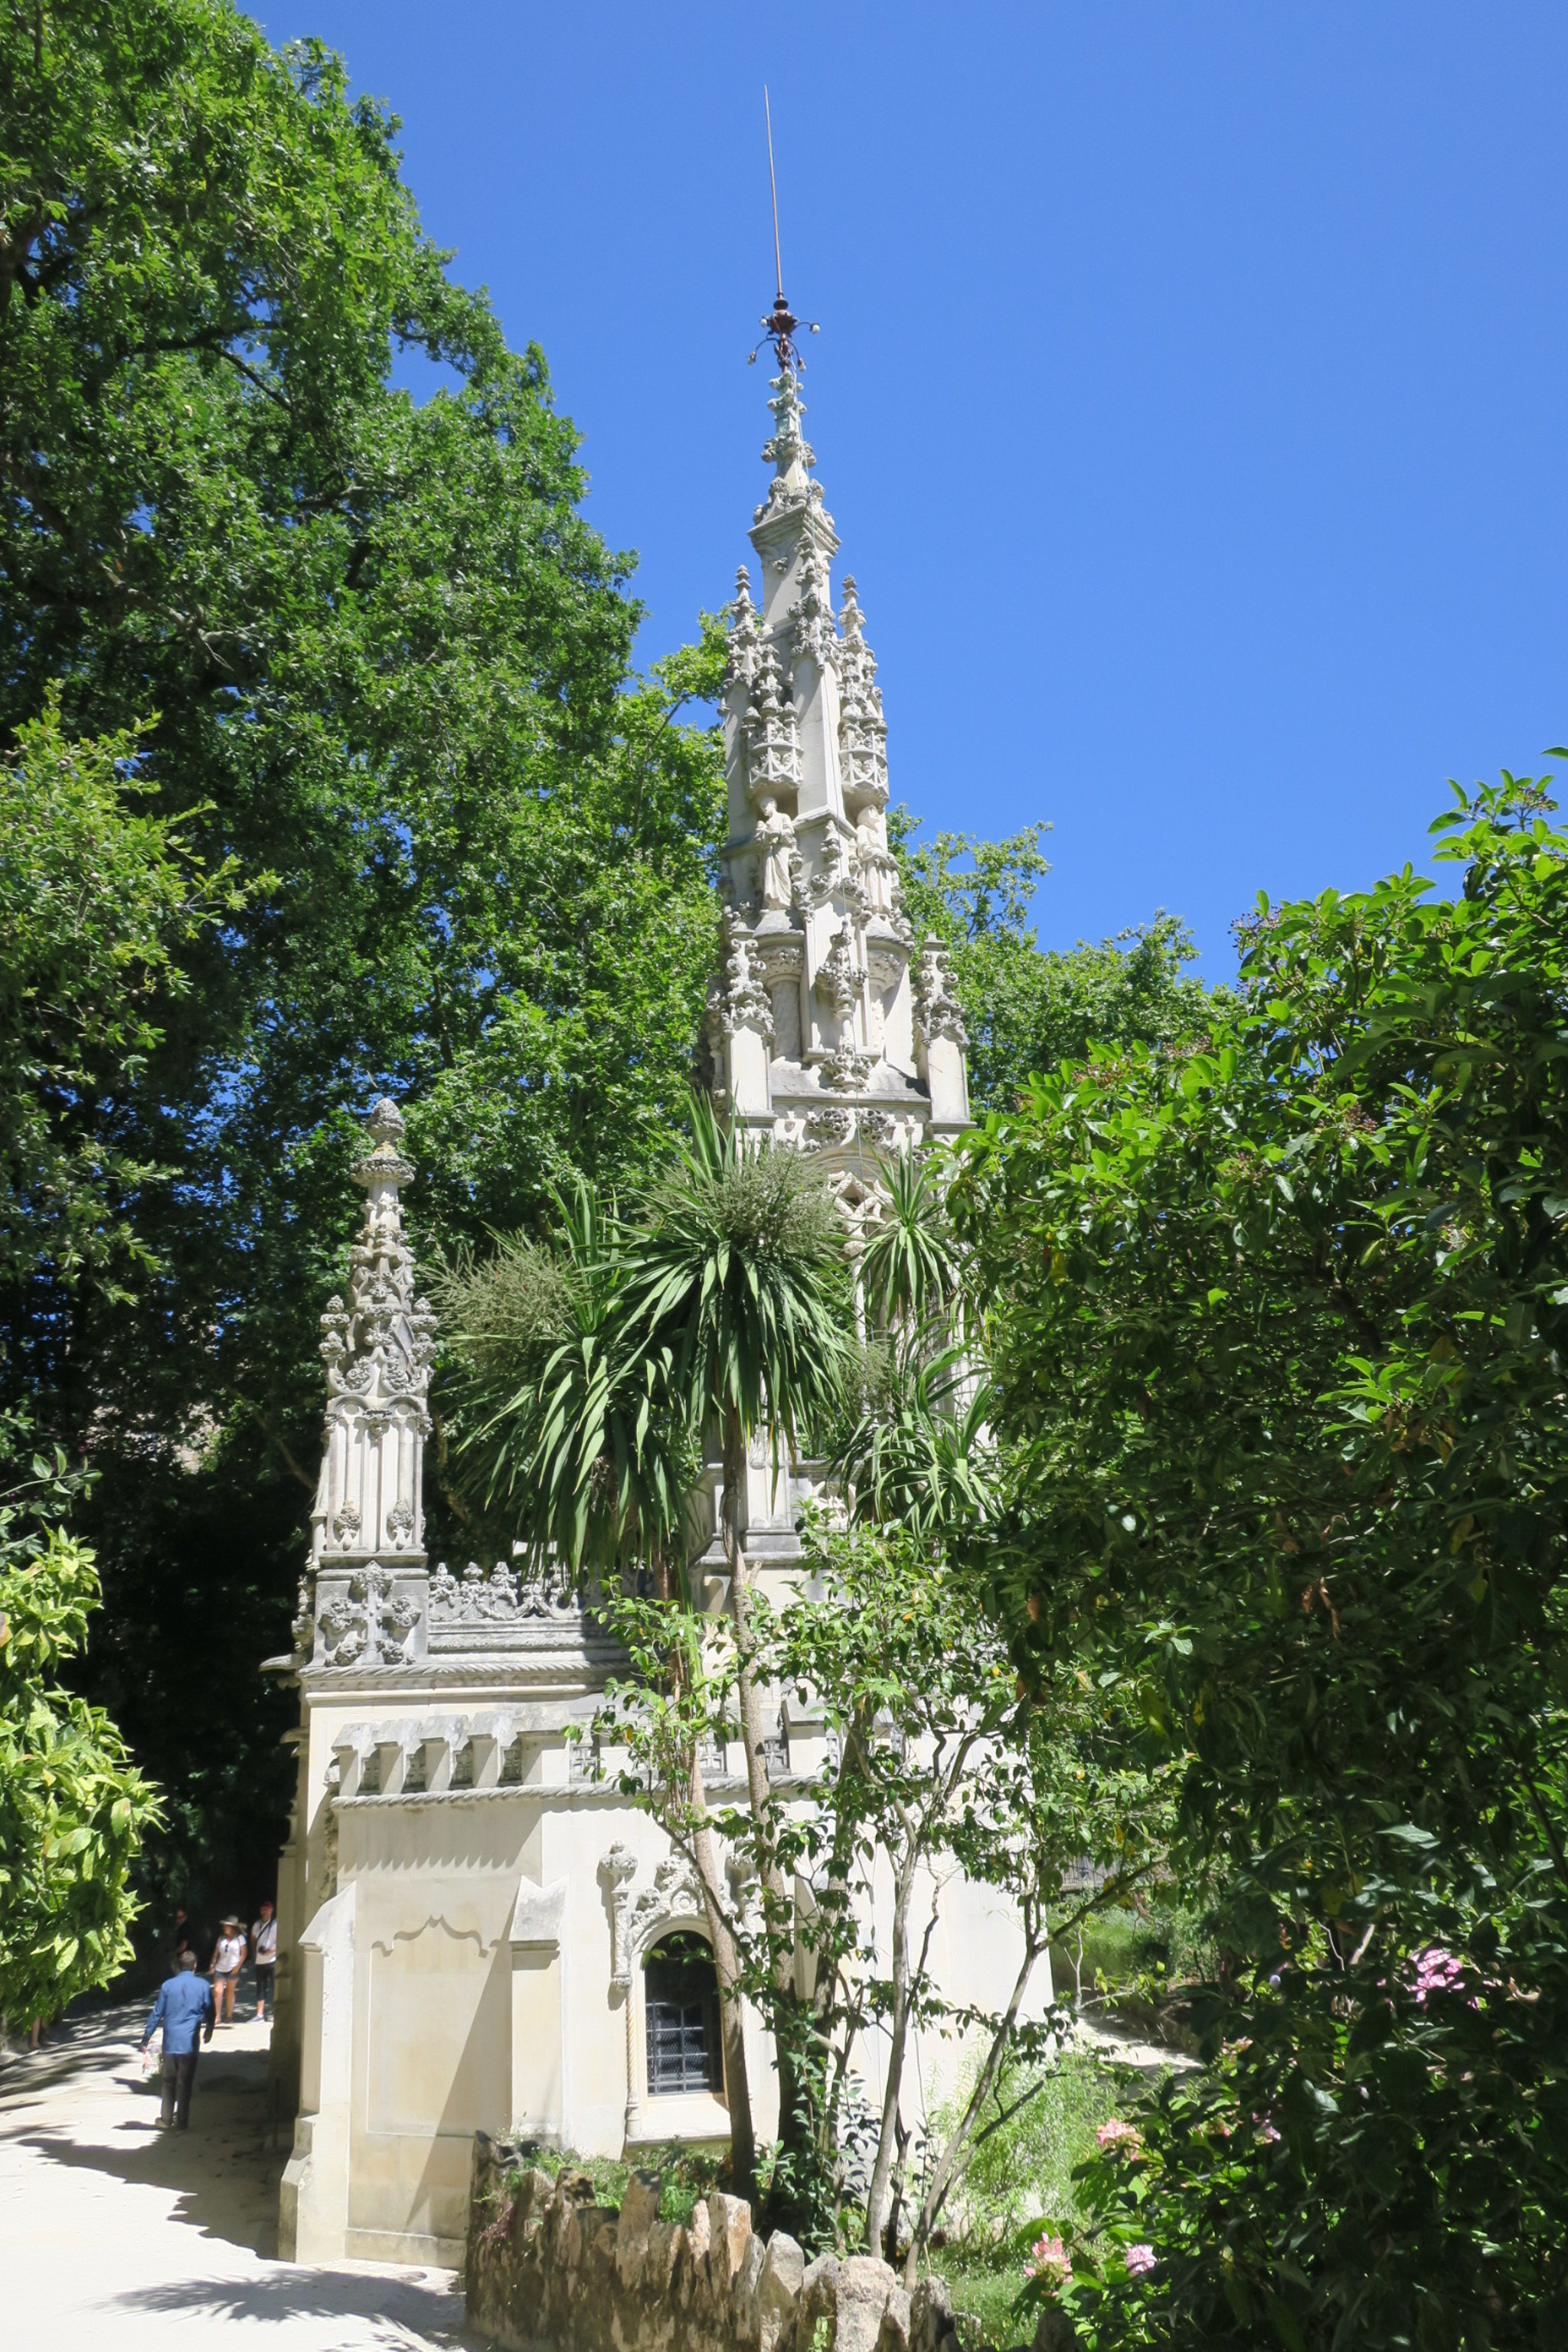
118 2236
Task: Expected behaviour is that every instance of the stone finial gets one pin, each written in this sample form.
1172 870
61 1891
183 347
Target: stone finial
378 1342
787 450
741 665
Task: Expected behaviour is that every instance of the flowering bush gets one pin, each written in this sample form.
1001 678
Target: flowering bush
1049 2262
1118 2135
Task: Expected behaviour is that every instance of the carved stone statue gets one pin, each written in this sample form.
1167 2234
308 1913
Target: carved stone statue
878 872
775 842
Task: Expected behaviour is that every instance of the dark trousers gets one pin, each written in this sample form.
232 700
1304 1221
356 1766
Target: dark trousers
179 2082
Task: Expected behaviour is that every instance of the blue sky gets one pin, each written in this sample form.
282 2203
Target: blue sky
1190 393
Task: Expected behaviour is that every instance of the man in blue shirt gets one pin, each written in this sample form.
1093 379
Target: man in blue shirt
184 2009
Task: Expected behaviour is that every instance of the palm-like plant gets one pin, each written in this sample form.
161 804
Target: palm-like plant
912 1267
564 1428
919 1450
741 1276
568 1427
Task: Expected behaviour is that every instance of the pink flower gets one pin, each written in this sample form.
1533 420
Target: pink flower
1116 2134
1140 2259
1051 2262
1437 1971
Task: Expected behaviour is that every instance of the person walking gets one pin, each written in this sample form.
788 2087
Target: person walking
228 1958
184 2009
264 1952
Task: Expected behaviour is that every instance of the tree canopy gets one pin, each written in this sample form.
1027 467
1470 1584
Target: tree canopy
1278 1330
1027 1007
376 659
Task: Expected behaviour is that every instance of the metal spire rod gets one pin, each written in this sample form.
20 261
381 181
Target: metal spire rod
773 182
779 326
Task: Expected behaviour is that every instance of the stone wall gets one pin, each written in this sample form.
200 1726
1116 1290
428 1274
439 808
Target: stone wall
551 2270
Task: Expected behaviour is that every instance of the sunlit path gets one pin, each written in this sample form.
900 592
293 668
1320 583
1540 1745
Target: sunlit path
119 2235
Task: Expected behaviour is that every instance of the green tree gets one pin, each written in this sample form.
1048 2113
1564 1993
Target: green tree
95 901
73 1808
929 1763
1027 1007
389 664
1278 1334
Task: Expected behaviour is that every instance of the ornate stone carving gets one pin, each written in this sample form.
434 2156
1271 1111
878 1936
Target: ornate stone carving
742 666
497 1598
370 1625
814 635
329 1835
878 1126
845 1069
674 1891
878 874
787 451
862 730
827 1127
378 1347
772 762
746 1004
836 876
839 978
778 856
937 1013
617 1871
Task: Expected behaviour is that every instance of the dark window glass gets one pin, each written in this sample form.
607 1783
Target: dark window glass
681 1993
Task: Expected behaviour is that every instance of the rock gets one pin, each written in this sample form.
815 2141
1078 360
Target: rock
692 2262
779 2291
893 2336
534 2191
664 2241
743 2310
575 2183
816 2315
1054 2331
639 2212
602 2245
931 2315
730 2233
866 2286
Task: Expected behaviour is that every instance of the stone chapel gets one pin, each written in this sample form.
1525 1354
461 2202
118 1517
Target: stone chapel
471 1920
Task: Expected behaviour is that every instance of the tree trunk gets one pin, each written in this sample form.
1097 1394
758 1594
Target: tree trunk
794 2121
737 2084
879 2196
1035 1937
737 2080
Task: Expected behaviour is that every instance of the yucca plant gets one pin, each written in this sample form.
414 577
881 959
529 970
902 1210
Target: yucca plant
912 1267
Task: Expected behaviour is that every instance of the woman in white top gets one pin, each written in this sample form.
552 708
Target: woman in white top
227 1961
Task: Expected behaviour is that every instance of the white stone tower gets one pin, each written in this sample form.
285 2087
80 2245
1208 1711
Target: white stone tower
826 1028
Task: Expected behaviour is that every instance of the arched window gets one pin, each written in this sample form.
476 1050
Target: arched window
685 2051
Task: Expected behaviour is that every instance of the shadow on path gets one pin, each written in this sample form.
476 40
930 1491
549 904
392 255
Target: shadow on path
224 2172
418 2311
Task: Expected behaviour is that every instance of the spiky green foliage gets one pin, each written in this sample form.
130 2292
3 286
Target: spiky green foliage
741 1271
912 1264
561 1415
